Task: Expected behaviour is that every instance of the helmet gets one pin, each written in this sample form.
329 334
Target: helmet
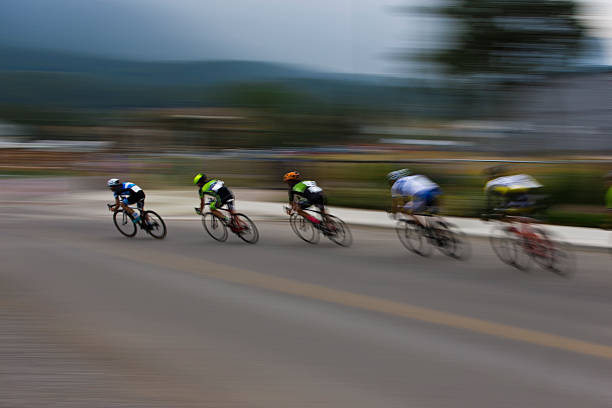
292 175
200 177
114 182
398 174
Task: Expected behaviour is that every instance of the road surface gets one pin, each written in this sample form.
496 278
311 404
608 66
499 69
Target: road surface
90 318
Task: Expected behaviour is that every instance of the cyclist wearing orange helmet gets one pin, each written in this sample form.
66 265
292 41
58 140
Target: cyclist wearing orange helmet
308 193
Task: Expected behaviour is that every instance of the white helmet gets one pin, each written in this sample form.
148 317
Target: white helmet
398 174
114 182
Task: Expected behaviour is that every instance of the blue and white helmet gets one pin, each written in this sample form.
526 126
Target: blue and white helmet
114 182
398 174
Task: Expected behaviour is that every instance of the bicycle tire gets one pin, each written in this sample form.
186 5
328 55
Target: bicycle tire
341 234
304 228
215 226
457 244
563 258
509 247
411 235
125 224
155 225
249 233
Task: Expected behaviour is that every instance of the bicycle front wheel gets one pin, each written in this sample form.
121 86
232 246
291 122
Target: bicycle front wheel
247 230
154 225
124 223
214 226
338 231
304 228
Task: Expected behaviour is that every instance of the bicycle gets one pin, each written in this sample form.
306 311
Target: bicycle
238 223
150 222
433 231
518 243
333 228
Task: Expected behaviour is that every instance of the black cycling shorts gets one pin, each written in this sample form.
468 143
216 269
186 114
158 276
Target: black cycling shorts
225 197
135 198
318 200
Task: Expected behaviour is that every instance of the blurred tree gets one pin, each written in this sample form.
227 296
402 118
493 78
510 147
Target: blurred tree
507 39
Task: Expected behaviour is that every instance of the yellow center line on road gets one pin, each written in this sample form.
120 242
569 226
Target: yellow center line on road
198 266
358 301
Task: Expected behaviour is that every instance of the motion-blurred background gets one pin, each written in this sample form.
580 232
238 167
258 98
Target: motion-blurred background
344 91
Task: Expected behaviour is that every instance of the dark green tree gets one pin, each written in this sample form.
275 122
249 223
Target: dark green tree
501 39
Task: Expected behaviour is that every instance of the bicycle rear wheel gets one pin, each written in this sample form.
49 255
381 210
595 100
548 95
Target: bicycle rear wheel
338 231
248 231
154 225
451 241
304 228
562 258
124 223
215 226
410 234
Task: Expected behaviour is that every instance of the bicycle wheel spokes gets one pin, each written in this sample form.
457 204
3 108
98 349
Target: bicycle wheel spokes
154 225
562 258
214 226
410 234
509 246
247 231
123 222
304 228
452 241
338 231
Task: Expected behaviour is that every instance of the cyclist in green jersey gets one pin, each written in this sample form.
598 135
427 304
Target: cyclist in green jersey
309 194
218 191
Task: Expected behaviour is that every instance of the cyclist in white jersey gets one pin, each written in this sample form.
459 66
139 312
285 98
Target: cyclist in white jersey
127 193
413 194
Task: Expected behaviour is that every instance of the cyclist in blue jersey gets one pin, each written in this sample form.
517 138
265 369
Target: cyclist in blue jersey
412 194
127 193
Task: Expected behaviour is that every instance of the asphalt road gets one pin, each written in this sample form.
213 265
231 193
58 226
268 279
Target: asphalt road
92 319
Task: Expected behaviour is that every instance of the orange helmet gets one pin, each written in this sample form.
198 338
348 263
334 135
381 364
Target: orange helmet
292 175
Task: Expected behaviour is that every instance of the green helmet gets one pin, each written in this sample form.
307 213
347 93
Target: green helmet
200 177
398 174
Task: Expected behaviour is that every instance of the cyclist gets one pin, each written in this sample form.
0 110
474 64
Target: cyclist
509 194
308 193
126 194
220 193
412 194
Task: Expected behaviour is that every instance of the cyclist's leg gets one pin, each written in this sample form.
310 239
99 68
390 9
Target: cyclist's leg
214 205
301 206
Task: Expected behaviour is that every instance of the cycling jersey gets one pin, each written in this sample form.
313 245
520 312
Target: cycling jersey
127 189
306 189
412 186
131 193
520 183
218 190
310 194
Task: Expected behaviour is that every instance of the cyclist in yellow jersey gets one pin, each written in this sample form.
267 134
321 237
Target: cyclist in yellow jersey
509 193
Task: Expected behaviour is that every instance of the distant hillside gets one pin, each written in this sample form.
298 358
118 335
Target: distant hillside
148 73
60 79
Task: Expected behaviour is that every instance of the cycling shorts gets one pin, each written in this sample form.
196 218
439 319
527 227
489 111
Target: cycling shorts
223 197
318 200
135 198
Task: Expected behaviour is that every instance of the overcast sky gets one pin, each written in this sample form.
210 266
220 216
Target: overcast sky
339 35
